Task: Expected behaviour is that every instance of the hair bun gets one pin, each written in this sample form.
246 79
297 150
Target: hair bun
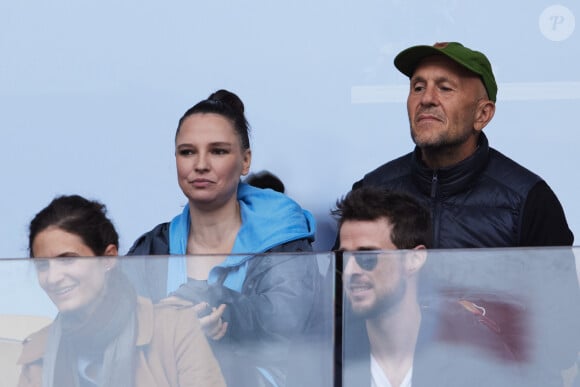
228 98
226 104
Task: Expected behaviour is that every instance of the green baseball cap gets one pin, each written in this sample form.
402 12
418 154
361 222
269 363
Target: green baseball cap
474 61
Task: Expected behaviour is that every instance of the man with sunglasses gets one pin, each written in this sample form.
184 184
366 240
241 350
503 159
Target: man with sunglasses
390 339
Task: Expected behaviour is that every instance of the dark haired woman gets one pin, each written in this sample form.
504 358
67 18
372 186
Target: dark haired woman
242 298
104 335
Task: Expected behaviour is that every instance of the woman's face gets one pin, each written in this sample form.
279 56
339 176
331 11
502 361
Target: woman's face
73 284
210 160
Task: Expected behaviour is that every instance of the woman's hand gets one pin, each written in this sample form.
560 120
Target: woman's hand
211 321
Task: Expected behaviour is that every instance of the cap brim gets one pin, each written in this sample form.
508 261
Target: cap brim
407 60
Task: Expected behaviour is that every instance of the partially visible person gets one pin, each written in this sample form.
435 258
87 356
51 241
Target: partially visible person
477 196
265 179
104 334
245 299
391 339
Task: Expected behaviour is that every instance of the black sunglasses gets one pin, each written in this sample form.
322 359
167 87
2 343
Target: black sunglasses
365 259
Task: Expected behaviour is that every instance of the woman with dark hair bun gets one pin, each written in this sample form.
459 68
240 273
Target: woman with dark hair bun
104 334
241 297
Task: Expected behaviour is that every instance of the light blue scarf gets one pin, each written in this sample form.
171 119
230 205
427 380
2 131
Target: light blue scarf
269 219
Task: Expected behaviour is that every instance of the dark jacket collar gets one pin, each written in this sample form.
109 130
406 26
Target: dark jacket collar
448 181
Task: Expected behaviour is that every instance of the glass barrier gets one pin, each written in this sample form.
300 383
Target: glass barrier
493 317
268 321
485 317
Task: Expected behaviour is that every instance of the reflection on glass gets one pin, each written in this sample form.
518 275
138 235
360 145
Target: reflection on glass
501 310
268 316
488 317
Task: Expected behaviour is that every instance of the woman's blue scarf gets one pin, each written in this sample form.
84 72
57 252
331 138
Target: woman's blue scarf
269 219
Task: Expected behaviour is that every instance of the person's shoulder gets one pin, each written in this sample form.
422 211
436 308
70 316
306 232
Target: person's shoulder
292 253
161 317
165 326
172 309
294 259
159 231
401 165
295 246
33 346
168 305
391 170
504 169
274 217
173 303
153 242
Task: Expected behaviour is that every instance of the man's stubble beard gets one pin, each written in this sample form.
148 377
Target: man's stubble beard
441 144
385 305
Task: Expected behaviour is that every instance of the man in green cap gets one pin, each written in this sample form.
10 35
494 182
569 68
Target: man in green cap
477 196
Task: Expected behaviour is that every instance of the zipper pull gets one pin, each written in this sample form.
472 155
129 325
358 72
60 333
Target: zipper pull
434 185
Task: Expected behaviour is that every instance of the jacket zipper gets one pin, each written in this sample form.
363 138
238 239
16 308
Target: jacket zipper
435 206
434 185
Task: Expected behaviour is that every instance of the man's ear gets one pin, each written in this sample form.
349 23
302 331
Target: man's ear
416 259
483 114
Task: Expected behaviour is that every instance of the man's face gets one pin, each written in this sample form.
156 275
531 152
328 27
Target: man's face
442 105
372 290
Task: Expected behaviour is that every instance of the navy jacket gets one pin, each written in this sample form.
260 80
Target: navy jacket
486 200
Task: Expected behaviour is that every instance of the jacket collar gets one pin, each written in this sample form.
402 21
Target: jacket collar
456 178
